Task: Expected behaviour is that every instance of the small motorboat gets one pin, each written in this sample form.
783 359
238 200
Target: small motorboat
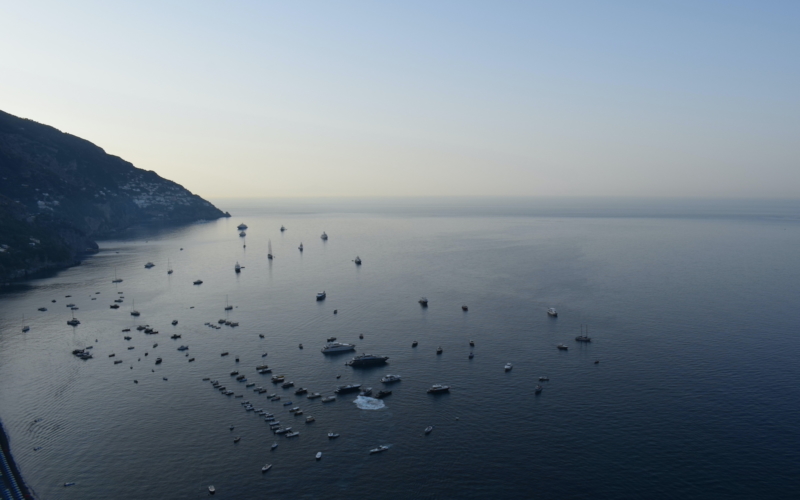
544 379
471 355
197 282
562 347
552 312
332 435
464 308
358 260
414 344
300 247
423 302
379 449
508 367
283 229
266 467
318 455
69 484
472 343
439 350
211 489
274 445
321 295
149 265
428 429
309 418
237 439
324 236
435 388
537 389
174 322
237 268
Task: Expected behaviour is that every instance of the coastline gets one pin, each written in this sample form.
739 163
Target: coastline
10 478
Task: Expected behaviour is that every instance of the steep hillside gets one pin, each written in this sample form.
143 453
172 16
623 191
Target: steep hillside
63 191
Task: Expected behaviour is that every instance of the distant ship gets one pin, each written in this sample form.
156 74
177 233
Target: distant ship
367 360
338 347
324 236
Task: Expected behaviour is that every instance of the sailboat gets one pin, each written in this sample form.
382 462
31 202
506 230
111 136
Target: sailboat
300 247
269 255
584 337
228 307
25 328
169 267
73 321
116 280
134 312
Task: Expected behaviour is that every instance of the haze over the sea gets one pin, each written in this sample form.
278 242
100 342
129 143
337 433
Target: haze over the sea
266 99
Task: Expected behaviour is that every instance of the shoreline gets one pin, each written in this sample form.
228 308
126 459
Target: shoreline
10 476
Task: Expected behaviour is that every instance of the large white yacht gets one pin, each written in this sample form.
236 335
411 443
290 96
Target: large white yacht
338 347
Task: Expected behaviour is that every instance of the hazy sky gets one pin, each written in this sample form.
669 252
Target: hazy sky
295 98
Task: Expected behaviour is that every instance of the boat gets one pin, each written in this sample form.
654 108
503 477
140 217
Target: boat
321 295
332 435
237 268
175 336
309 419
292 434
584 337
544 379
211 489
428 429
149 265
283 228
241 226
471 355
508 367
228 307
134 312
367 360
42 308
73 321
318 455
337 347
472 343
242 234
366 392
314 395
169 267
269 250
278 378
237 439
301 390
158 361
388 379
552 312
274 445
537 389
328 399
197 282
324 236
342 389
174 322
383 394
414 344
288 384
439 388
562 347
117 361
379 449
25 327
300 247
358 260
423 302
224 353
116 280
69 484
266 467
464 308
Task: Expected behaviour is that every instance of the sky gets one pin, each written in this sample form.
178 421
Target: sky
421 98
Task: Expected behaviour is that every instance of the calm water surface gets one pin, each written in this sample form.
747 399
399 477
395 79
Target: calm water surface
694 320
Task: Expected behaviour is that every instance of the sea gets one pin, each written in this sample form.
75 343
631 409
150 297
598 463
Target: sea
688 388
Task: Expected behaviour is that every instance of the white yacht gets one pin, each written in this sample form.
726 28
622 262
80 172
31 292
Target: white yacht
388 379
318 455
266 467
428 429
552 312
338 347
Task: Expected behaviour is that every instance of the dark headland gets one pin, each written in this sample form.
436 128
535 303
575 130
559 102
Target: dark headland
58 193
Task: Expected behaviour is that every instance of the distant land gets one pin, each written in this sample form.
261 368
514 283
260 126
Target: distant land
59 192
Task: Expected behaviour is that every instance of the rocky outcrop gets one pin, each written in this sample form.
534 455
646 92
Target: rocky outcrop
58 192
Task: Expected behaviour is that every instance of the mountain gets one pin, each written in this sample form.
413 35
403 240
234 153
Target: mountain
59 192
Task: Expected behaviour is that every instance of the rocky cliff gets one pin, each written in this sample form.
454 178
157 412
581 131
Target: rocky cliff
58 192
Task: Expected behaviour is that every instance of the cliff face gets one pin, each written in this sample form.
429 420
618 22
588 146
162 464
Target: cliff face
62 191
